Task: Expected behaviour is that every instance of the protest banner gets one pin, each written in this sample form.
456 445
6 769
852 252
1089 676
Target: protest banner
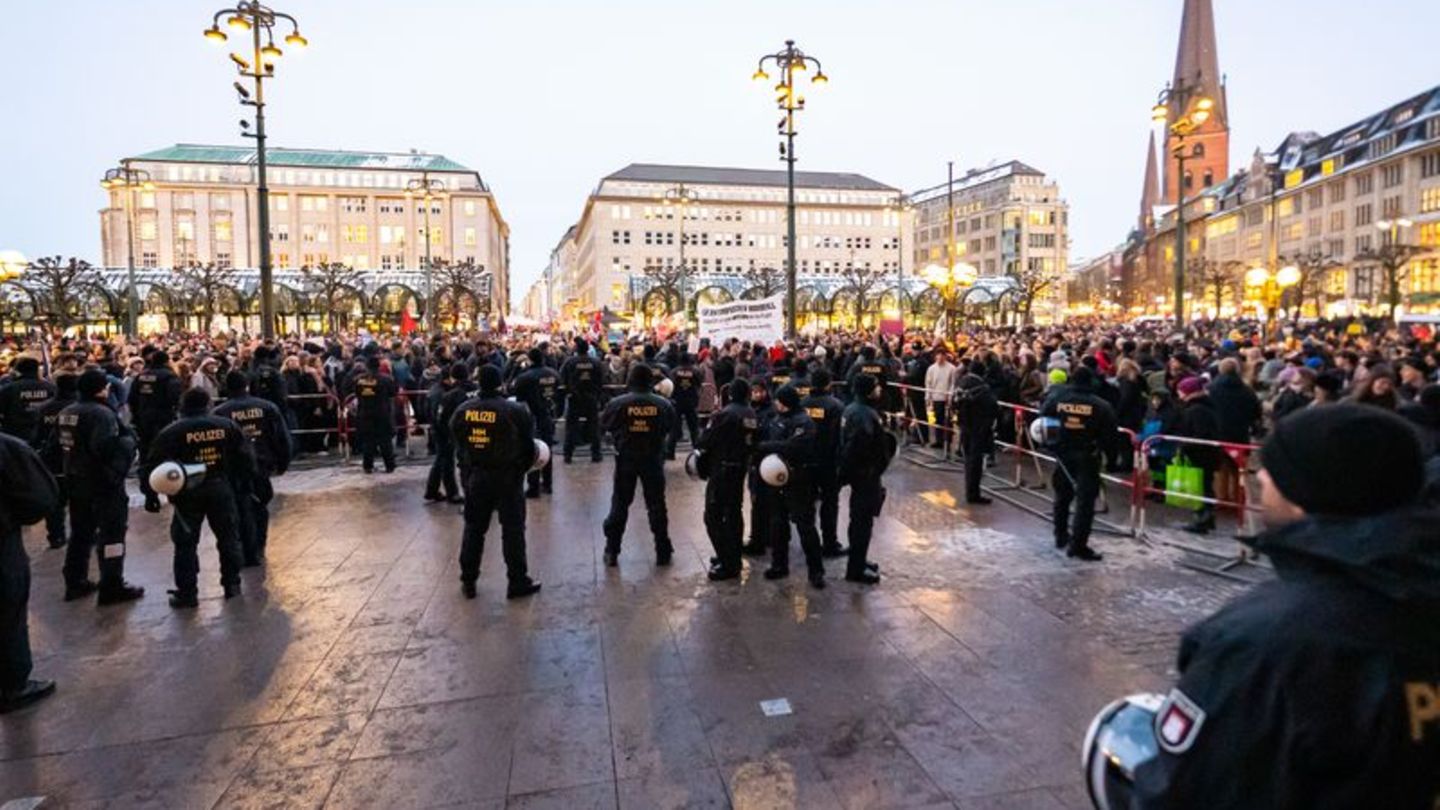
761 321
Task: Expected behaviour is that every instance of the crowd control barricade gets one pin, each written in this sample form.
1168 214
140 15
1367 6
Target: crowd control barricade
304 406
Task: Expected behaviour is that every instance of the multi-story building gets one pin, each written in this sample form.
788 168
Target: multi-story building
719 224
1008 220
325 206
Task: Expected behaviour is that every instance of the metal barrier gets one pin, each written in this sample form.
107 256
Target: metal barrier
335 406
1245 510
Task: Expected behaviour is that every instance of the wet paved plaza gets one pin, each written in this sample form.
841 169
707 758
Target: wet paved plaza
353 674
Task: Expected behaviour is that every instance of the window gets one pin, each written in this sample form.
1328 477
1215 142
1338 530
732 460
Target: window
1392 175
1337 220
1430 234
1364 215
1390 207
620 237
223 232
280 233
1198 150
469 208
282 260
220 202
322 234
185 229
1042 217
1314 226
1047 240
1337 191
1362 244
1286 207
1430 199
279 202
1364 183
222 259
1209 178
352 205
149 259
147 229
389 262
469 237
1425 276
1365 282
147 199
1315 198
1429 164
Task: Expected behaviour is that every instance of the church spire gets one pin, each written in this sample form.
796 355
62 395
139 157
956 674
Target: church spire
1206 147
1197 61
1150 194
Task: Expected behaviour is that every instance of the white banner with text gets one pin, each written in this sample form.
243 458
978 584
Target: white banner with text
760 321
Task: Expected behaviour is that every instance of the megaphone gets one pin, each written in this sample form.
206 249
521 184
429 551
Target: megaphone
665 387
542 455
172 477
774 471
692 465
1120 739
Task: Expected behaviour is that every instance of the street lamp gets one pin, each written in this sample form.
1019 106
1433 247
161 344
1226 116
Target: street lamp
259 21
427 189
1184 108
789 62
12 264
680 196
127 181
901 205
949 280
1392 228
1272 286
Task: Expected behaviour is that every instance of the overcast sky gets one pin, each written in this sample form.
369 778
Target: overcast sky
544 97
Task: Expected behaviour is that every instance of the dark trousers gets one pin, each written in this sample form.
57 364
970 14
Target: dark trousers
762 503
942 432
582 424
919 415
795 507
976 443
99 515
650 473
543 478
866 498
1084 469
376 439
827 493
488 492
686 417
213 501
442 471
15 660
253 504
55 521
724 513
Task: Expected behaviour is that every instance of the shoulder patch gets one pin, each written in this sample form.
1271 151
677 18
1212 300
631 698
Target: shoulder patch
1178 722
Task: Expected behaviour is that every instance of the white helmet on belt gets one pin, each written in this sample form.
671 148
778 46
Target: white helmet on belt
542 455
172 477
774 471
665 387
692 465
1120 739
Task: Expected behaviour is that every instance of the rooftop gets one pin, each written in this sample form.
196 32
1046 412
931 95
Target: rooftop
720 175
307 158
978 177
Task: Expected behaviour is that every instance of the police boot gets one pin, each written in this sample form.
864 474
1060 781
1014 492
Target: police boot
867 577
232 591
755 548
468 589
152 503
183 600
834 549
124 592
32 692
532 492
84 589
777 573
521 588
1084 553
719 573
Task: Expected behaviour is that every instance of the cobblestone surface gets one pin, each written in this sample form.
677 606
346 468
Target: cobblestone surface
352 673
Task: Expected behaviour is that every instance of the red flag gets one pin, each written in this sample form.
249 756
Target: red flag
407 323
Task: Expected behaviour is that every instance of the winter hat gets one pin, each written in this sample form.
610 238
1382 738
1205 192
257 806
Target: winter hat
1190 386
1345 460
739 390
640 377
92 381
788 396
489 378
1058 376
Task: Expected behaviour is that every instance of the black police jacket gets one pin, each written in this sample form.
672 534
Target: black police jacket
20 405
46 434
263 424
687 387
154 396
729 436
638 422
1086 421
375 400
826 412
1320 689
538 388
449 402
863 451
98 448
270 386
214 441
27 490
581 377
793 436
492 433
976 409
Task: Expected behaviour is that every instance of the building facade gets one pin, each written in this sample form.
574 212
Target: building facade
1008 220
325 206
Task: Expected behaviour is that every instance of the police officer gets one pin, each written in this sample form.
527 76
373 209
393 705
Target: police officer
639 422
975 412
495 444
457 389
375 416
763 497
867 363
200 437
825 411
581 376
22 399
1086 423
686 399
48 445
794 440
27 493
537 388
1320 688
154 396
726 444
98 452
864 455
264 426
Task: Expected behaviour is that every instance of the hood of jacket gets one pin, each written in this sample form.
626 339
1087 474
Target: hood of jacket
1396 554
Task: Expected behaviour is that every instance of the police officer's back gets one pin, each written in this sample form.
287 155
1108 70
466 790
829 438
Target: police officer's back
538 388
1321 688
826 412
265 428
581 375
375 416
726 445
639 421
27 493
47 444
22 399
864 456
454 390
975 411
792 436
1086 423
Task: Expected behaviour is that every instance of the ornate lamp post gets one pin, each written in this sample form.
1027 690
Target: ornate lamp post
679 197
900 206
950 280
127 181
1190 109
789 61
427 189
259 21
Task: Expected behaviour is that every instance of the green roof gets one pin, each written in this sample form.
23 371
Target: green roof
308 158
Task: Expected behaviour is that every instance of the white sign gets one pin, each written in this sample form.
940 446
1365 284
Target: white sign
778 707
760 321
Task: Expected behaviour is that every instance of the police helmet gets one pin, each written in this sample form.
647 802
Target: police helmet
1045 431
665 387
1120 739
692 465
774 471
173 477
542 455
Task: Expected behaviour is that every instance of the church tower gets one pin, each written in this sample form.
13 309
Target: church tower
1150 194
1207 149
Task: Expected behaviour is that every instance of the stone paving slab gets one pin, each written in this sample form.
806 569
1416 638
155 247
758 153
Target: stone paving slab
353 674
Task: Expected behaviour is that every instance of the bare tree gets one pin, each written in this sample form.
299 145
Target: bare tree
768 280
861 279
1313 266
458 279
1212 276
56 285
1394 262
1030 282
670 279
203 284
327 284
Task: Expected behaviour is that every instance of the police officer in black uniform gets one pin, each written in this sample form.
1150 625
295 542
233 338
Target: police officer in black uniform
27 493
441 485
1320 688
581 376
375 416
264 426
726 445
495 445
763 497
686 399
48 445
825 411
864 455
98 451
538 388
794 440
200 437
975 409
22 399
1086 424
867 363
154 396
639 421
